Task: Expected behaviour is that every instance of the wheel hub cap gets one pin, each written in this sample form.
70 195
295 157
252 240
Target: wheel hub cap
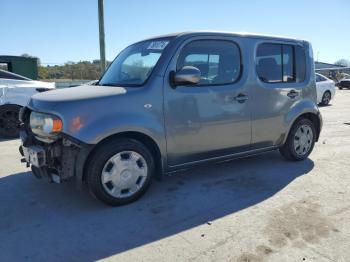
303 140
124 174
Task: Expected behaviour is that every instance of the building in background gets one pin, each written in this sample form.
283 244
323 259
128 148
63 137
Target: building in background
332 71
25 66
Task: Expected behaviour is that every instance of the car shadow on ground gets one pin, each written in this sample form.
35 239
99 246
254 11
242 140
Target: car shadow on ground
41 221
324 105
3 139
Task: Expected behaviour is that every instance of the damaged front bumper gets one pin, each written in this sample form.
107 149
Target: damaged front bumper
59 160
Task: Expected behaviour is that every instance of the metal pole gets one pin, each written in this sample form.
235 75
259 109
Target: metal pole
102 36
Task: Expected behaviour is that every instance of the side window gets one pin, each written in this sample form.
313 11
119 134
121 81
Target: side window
269 63
218 60
277 63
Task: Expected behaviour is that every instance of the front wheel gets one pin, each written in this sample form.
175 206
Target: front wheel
300 141
120 172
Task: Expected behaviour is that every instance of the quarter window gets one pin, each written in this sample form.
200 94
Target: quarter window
277 63
218 60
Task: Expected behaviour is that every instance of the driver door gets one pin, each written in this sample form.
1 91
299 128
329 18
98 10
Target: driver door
212 118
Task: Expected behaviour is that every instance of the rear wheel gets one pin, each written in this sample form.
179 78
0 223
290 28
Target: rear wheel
9 122
120 172
301 140
326 98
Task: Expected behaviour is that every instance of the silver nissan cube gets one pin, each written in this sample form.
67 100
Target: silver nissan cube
172 102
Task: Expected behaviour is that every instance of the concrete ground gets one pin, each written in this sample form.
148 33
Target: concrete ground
262 208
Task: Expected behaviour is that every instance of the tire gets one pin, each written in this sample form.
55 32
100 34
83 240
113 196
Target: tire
340 88
9 121
326 98
292 152
113 167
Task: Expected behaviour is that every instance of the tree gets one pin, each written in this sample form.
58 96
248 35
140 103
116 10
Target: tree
42 71
342 62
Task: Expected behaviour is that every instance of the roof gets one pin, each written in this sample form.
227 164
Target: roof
227 33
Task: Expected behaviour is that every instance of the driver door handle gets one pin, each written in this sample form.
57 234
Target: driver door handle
241 98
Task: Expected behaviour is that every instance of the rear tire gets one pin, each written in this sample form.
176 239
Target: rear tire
300 141
326 98
120 171
9 121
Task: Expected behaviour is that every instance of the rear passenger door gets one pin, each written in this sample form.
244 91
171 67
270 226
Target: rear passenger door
280 76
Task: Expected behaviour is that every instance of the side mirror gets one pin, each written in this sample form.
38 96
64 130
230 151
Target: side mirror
188 75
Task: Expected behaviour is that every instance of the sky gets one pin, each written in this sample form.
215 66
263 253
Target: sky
58 31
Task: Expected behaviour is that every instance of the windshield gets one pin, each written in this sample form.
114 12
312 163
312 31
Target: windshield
133 65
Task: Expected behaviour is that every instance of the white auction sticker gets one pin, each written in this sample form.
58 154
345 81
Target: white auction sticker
158 45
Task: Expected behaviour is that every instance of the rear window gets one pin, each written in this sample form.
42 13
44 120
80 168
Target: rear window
281 63
9 75
320 78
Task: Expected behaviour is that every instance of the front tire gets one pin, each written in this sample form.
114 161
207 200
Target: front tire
120 171
9 121
300 141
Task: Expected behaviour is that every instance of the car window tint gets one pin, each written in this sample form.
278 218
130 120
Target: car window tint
269 63
278 63
218 60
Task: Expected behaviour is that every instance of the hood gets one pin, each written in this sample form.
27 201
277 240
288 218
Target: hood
80 96
78 93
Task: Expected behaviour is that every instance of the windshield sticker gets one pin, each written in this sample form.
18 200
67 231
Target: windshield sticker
158 45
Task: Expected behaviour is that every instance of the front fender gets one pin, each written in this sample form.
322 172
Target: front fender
100 128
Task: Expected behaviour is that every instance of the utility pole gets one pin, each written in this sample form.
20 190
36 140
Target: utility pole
102 36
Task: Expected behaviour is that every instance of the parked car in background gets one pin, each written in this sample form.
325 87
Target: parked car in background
15 91
344 83
325 88
172 102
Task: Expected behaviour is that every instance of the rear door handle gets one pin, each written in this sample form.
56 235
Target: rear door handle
292 93
241 98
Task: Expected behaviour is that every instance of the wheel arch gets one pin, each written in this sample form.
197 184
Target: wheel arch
145 139
10 104
329 91
314 118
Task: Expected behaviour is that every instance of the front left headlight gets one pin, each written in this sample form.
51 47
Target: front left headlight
45 124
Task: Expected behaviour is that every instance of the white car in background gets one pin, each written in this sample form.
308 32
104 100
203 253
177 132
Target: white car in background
15 91
325 88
